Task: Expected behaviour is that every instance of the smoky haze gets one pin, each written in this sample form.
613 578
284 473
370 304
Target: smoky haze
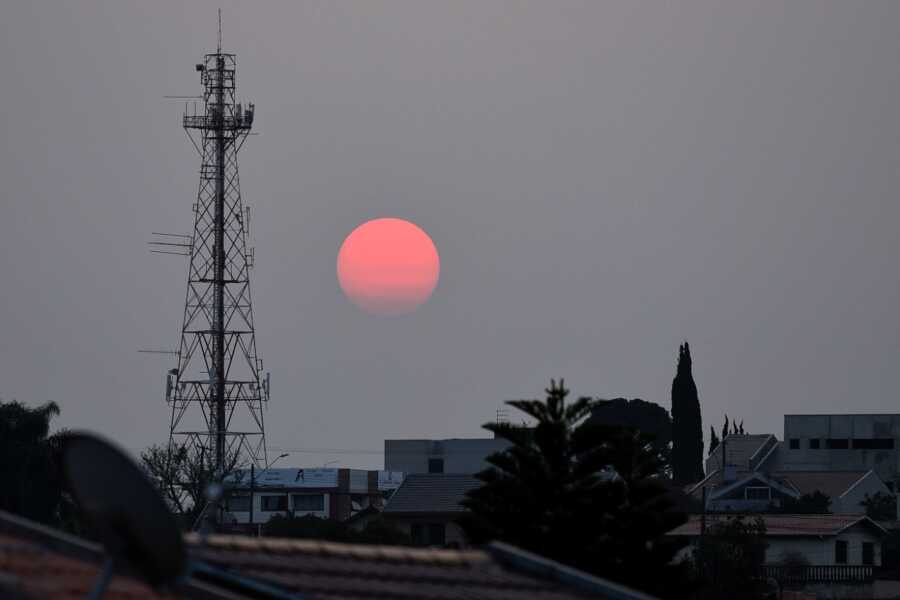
602 181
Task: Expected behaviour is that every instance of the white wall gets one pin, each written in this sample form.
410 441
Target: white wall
460 456
260 516
821 551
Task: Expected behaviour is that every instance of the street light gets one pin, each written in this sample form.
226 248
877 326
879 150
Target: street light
253 480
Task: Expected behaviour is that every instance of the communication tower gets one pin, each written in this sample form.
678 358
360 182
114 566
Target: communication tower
218 390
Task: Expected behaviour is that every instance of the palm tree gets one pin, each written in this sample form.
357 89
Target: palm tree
29 468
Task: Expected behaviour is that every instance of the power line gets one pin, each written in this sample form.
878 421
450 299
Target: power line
324 450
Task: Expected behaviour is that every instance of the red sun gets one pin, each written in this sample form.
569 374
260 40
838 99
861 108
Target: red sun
388 266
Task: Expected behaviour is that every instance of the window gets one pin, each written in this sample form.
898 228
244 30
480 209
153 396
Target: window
308 502
814 444
757 493
274 503
237 504
837 443
795 443
873 444
840 552
868 553
435 465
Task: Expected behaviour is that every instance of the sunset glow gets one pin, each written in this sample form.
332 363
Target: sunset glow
388 266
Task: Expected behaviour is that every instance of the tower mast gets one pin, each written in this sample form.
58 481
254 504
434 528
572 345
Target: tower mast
217 392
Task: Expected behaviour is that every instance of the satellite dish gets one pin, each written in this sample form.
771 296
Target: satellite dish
127 512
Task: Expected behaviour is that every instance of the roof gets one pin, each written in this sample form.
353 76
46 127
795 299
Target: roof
40 562
748 478
831 483
431 493
330 571
872 414
740 448
785 525
31 570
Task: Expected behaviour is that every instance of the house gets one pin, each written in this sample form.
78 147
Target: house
768 491
822 540
457 456
427 507
255 497
746 473
40 562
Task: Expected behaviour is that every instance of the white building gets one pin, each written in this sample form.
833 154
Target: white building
457 456
756 473
822 540
326 493
843 443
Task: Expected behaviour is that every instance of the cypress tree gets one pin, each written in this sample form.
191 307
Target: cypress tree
687 426
713 440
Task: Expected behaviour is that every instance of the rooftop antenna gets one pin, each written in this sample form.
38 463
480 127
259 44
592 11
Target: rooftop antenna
131 519
139 533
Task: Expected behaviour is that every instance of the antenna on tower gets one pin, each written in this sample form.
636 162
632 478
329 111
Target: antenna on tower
219 46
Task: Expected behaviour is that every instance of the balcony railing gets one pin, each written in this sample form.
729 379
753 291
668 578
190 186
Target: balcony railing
789 574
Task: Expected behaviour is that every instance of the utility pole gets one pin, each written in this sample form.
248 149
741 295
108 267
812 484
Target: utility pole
252 489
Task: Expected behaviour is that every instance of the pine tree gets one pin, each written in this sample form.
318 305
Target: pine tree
550 493
687 425
713 440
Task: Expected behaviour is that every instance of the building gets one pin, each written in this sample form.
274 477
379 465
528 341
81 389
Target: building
750 473
852 442
326 493
39 562
457 455
821 540
427 507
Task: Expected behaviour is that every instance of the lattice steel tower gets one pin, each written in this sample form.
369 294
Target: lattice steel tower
217 392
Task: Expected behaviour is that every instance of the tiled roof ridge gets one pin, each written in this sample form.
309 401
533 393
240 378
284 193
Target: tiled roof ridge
807 516
405 554
439 476
52 539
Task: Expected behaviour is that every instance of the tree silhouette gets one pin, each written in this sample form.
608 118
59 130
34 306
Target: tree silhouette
647 417
590 496
687 426
182 477
713 440
29 465
730 558
815 503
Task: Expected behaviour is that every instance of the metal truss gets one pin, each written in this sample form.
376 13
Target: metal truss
218 391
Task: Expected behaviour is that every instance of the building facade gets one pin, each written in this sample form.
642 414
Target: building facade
427 507
822 540
457 456
253 498
758 473
843 443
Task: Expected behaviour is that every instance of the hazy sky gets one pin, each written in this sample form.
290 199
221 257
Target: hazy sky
602 180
